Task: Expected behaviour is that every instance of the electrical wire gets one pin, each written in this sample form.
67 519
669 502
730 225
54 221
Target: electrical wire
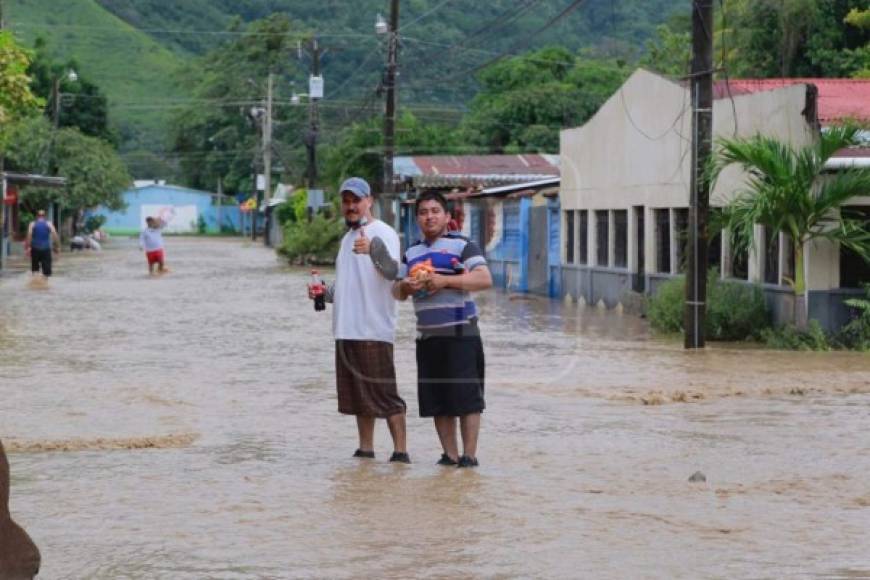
513 50
424 15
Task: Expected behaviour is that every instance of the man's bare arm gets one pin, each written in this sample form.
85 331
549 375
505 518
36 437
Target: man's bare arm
478 279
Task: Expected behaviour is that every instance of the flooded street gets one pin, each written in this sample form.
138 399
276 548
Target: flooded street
185 427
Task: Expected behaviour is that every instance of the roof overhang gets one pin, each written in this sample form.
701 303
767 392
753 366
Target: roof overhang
535 186
12 178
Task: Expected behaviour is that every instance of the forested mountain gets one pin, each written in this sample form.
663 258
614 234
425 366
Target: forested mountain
158 60
133 48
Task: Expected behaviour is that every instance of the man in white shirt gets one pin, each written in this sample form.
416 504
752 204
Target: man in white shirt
151 241
364 322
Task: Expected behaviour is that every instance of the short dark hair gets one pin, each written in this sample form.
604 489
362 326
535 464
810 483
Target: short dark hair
432 196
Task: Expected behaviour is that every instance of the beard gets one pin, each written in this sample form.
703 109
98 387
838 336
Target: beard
355 224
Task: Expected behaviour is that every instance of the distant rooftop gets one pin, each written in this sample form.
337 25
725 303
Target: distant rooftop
839 99
438 171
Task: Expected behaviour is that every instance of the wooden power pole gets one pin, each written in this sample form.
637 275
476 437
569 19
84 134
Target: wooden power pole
702 146
390 114
313 118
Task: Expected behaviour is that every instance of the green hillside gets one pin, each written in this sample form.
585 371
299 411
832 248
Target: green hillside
134 48
440 38
129 65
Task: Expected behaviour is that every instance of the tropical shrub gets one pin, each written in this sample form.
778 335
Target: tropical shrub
789 337
735 311
856 334
312 242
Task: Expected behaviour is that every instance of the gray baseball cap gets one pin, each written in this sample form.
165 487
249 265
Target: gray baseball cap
357 186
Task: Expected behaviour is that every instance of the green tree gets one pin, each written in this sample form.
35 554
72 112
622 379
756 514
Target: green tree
788 38
83 104
16 97
860 19
216 136
670 51
786 191
359 150
94 172
526 100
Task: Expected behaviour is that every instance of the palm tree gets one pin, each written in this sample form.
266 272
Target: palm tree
786 191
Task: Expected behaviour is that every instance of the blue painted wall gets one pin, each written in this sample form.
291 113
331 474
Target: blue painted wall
554 253
130 219
505 256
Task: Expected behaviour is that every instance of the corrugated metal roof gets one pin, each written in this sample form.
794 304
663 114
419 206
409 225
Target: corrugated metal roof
474 180
475 170
838 98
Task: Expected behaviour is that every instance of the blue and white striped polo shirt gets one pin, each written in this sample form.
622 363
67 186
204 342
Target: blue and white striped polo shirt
451 254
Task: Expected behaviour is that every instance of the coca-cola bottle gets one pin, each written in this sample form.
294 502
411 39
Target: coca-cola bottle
319 291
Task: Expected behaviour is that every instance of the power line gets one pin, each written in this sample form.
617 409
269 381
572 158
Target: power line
425 15
299 35
513 50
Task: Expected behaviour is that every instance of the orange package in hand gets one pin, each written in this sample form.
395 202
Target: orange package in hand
422 270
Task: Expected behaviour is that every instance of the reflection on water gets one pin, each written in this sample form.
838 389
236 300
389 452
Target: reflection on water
578 478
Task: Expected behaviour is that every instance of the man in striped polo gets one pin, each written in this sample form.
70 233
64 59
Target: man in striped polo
442 270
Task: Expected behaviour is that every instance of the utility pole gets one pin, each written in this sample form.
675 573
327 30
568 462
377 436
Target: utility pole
267 161
313 118
390 113
702 146
267 143
55 101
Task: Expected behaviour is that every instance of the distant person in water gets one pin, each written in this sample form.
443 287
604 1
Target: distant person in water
151 241
41 239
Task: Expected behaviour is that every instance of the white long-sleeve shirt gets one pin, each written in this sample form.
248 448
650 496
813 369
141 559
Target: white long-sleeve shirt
151 239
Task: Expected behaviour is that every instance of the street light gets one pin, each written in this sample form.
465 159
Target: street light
72 77
381 26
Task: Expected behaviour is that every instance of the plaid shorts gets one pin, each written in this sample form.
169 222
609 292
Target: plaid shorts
365 379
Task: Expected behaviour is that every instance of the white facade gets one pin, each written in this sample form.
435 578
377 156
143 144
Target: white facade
632 162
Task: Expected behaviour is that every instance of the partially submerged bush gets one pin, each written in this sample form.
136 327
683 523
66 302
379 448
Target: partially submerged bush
856 333
789 337
665 309
735 311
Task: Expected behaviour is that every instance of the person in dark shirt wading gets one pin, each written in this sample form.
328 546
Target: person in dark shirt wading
41 239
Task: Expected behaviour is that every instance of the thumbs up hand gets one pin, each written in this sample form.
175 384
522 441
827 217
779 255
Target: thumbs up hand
362 244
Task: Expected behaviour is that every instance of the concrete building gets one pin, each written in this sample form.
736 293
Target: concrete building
183 210
625 190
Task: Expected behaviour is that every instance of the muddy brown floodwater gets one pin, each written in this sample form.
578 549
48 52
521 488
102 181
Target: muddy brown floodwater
184 427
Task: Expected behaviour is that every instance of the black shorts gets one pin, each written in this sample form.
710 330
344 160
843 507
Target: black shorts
40 260
450 375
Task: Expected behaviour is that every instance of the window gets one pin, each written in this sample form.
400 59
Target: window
740 264
681 217
771 256
602 238
620 242
663 240
854 271
584 237
569 237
